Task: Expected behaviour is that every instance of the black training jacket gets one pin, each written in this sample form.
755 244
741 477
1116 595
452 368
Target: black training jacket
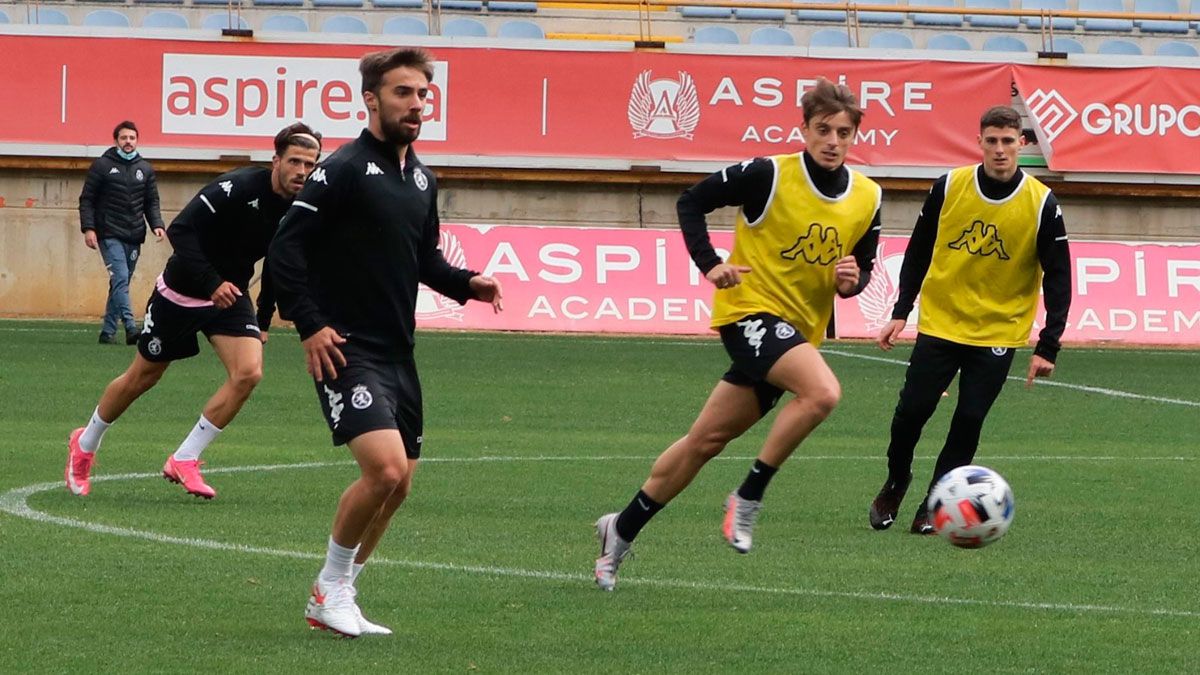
222 232
354 245
119 198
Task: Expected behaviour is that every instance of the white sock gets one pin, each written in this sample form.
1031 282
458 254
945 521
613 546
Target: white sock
338 562
202 434
93 433
355 570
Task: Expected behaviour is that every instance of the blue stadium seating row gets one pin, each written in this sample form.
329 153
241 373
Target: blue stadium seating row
980 20
891 40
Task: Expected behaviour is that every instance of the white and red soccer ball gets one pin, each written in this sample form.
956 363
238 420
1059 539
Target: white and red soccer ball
971 506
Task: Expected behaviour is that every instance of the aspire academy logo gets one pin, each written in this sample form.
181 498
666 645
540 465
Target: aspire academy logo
664 108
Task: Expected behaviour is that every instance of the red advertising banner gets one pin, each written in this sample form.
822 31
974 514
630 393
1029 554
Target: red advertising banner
1124 120
642 281
486 102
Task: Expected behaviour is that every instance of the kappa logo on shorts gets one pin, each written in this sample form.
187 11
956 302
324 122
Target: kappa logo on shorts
147 323
360 398
335 405
999 351
784 331
753 331
154 346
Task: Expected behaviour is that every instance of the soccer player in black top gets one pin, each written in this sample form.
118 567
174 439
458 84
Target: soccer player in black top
987 234
346 263
217 238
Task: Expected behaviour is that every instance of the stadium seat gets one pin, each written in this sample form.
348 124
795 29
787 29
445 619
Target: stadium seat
1104 24
760 14
935 19
512 6
285 23
521 30
3 17
280 3
1119 47
890 40
716 35
222 21
343 23
1176 49
772 35
165 19
337 3
469 5
1066 45
464 28
829 37
1058 23
991 20
222 3
697 12
1159 7
48 17
821 14
395 4
948 41
405 25
106 17
881 17
1004 43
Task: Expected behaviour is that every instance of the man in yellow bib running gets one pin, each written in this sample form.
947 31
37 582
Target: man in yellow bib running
807 228
987 235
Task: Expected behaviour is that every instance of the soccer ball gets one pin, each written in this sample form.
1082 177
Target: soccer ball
971 506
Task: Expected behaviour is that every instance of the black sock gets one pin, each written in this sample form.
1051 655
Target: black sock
756 481
635 516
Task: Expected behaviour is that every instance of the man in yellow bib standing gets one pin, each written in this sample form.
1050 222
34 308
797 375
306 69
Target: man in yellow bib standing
807 228
987 235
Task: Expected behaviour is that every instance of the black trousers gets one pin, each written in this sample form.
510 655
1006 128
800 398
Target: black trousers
932 366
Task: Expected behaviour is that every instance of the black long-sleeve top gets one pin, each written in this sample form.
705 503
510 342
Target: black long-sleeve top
748 185
1053 252
222 232
359 237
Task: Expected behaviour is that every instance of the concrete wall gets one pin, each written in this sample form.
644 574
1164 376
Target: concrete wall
45 269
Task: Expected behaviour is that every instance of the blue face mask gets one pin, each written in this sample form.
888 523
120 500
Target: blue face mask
126 155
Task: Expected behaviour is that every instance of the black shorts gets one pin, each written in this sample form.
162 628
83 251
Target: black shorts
755 343
169 330
373 392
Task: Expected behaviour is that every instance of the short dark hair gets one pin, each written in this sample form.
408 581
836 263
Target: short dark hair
1001 117
828 98
298 134
373 66
124 125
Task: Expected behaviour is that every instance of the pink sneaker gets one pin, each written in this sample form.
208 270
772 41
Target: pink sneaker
188 475
79 465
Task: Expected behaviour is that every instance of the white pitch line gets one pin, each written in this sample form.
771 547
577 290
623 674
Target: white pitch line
15 502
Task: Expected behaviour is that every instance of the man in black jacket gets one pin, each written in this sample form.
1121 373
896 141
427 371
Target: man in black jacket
218 237
119 199
347 259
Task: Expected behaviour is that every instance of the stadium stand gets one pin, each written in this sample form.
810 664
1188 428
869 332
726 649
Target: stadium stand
285 23
890 40
107 18
344 23
520 30
881 17
1176 49
991 20
923 19
397 4
222 21
829 37
772 35
405 25
716 35
760 14
279 3
948 41
702 12
3 17
1066 45
469 5
1159 7
1123 25
45 16
165 19
464 27
1004 43
337 3
1058 23
821 14
1122 47
512 6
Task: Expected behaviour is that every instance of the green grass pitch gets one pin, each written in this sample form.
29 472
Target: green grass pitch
528 439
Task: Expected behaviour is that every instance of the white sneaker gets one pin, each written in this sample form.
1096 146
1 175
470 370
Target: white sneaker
332 608
367 628
740 516
613 549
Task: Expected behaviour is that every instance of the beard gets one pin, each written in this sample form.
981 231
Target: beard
398 134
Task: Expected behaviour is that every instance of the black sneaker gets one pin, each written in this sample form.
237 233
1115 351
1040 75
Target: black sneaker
131 335
887 503
107 339
921 523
